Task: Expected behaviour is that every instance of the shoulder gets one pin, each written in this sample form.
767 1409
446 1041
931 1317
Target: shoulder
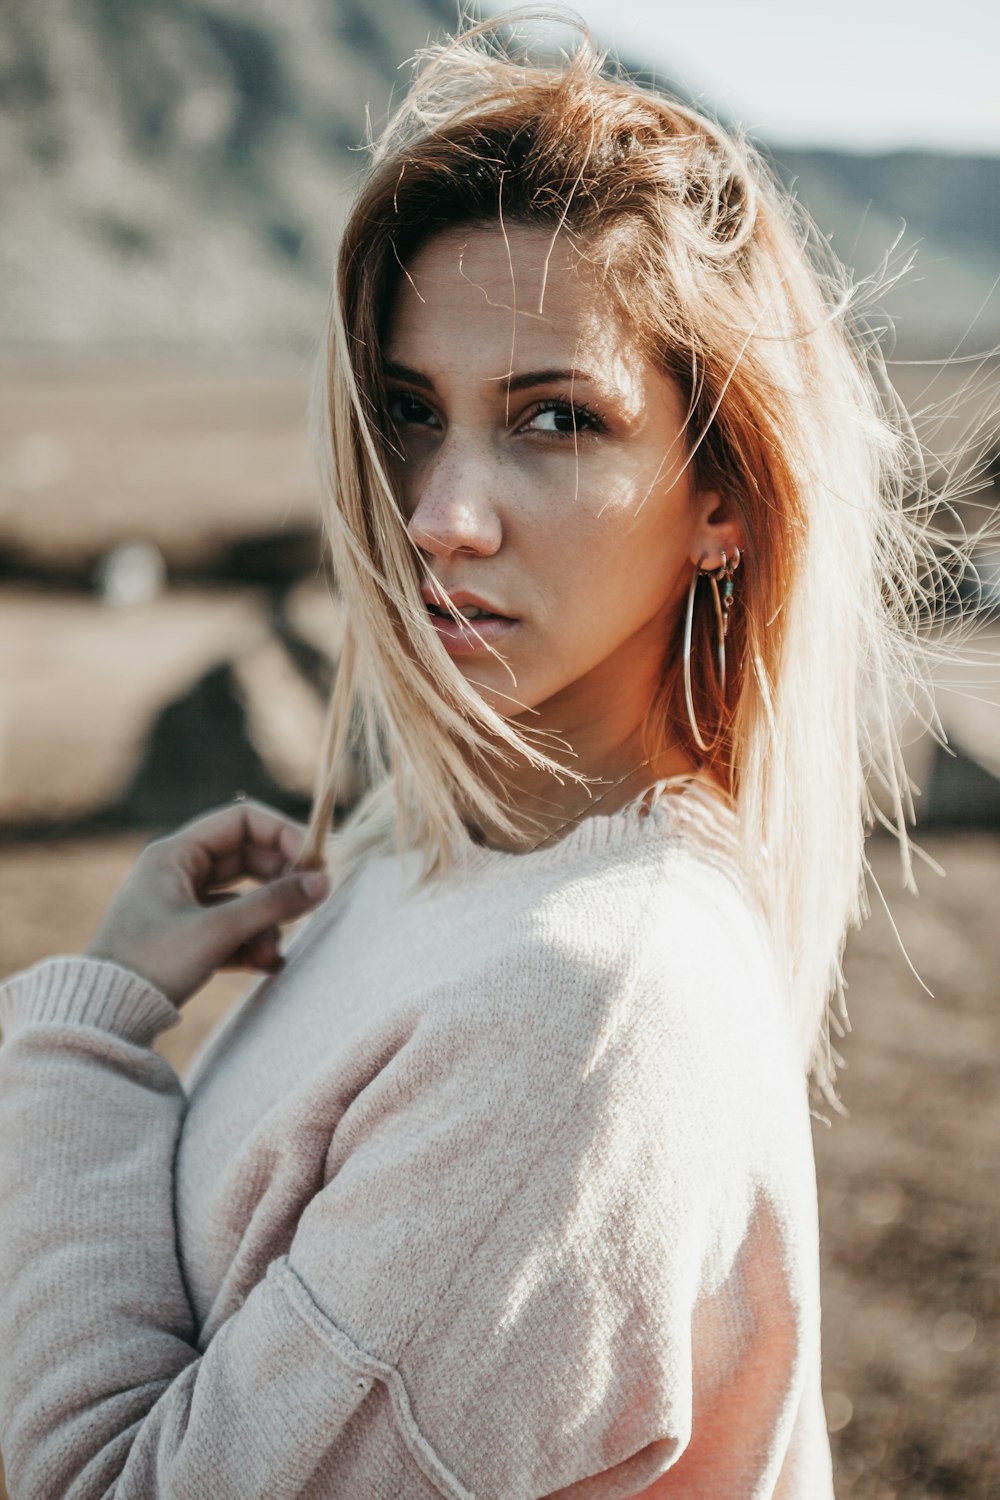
659 961
633 931
660 908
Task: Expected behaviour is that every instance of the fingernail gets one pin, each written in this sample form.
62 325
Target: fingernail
313 885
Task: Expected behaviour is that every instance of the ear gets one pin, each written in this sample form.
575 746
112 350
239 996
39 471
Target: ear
718 530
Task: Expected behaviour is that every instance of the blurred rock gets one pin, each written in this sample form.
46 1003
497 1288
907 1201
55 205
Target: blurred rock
112 719
253 724
954 1332
133 573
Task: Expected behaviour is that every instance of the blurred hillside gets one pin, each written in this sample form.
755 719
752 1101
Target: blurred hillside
944 208
175 171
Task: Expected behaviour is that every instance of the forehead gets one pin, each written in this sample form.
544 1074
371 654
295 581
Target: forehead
501 299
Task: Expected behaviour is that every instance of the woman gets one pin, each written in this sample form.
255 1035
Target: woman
503 1184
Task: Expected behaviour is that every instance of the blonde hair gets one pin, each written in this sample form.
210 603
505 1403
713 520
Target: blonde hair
734 297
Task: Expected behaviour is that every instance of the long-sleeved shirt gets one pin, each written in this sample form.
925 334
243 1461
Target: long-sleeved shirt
502 1188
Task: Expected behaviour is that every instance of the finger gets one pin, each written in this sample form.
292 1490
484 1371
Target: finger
222 845
241 963
248 968
225 829
261 952
251 859
280 901
265 949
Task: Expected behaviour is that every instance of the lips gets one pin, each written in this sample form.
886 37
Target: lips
464 637
461 600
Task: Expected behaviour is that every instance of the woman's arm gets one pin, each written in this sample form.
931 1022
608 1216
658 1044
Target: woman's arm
95 1324
102 1388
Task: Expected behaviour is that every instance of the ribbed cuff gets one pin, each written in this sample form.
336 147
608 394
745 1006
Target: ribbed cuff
76 991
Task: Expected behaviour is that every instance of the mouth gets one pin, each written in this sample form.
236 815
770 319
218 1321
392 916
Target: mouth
479 624
468 612
470 606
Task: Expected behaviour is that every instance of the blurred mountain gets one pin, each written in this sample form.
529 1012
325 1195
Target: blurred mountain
174 173
944 208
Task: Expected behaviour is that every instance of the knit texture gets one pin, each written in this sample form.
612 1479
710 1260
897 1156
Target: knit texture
503 1188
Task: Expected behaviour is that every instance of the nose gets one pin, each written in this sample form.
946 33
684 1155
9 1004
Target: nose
452 506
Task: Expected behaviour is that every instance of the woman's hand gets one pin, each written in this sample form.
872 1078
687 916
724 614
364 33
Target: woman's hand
172 924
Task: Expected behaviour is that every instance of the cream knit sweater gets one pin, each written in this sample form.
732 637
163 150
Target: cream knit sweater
504 1188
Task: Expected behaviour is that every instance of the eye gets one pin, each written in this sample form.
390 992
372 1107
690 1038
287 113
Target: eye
564 418
406 409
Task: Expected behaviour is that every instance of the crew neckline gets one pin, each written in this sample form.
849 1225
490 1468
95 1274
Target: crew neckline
683 802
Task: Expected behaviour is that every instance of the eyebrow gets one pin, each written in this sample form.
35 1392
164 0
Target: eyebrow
515 383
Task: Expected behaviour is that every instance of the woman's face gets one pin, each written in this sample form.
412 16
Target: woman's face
543 474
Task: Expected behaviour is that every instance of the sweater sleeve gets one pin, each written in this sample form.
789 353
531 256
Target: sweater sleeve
492 1293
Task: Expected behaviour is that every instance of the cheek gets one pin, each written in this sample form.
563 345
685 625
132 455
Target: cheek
406 477
634 546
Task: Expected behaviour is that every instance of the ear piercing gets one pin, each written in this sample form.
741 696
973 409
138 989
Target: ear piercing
723 600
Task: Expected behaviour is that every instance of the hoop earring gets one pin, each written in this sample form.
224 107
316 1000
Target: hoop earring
723 602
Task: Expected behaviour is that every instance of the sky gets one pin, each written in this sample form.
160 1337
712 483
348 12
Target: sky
867 75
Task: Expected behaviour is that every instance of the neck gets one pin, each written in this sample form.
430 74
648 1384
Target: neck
617 772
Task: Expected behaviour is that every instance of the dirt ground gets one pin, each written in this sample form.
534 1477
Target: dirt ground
908 1186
